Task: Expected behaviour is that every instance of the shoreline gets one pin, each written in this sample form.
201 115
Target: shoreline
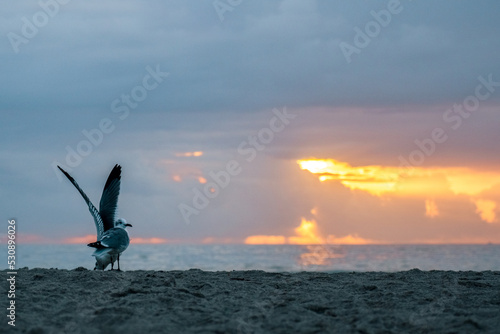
195 301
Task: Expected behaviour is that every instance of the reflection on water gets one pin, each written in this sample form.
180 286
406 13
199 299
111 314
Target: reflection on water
319 255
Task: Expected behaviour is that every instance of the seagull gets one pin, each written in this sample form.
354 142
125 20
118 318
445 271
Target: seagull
112 235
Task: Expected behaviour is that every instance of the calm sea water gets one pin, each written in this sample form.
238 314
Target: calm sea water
271 258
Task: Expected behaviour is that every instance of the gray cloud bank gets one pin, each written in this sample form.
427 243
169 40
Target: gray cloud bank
224 79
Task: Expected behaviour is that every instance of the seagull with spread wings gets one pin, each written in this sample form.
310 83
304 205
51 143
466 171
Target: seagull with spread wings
112 236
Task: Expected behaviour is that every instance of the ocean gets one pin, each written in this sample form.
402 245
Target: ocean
274 258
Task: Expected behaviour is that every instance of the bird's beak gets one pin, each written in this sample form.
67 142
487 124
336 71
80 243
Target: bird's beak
128 225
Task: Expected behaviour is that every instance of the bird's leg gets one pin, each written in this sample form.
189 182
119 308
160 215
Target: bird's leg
112 263
118 262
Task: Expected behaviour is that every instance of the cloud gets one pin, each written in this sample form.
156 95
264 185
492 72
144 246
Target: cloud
486 210
403 179
225 78
431 208
264 55
152 240
189 154
265 240
349 240
80 240
307 234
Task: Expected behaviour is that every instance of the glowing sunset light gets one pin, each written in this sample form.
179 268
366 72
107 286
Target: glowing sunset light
431 209
375 188
466 181
317 166
379 180
215 241
486 210
189 154
265 240
80 240
153 240
374 179
349 240
306 234
202 180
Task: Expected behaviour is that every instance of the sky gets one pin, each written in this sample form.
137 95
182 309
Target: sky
283 122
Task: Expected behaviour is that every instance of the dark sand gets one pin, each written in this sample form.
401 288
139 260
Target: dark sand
194 301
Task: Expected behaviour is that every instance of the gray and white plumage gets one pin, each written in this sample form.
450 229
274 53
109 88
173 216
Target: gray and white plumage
112 243
112 236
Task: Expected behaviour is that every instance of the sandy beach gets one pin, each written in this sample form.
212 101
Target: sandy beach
195 301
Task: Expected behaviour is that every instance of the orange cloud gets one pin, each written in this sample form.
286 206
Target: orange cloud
213 240
374 179
431 209
486 210
153 240
179 178
349 240
80 240
378 180
265 240
306 234
417 183
189 154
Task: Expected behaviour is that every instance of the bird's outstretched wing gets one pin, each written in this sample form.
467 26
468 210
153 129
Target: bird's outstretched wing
109 199
93 210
